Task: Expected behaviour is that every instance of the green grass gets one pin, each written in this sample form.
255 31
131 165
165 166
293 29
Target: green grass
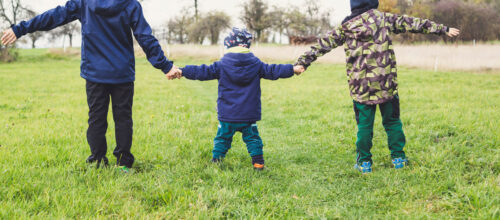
451 121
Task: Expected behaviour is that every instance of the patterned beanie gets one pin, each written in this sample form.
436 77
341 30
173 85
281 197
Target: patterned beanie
238 38
364 4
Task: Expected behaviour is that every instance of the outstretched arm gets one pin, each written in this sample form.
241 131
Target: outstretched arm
202 73
149 44
324 46
276 71
401 24
44 22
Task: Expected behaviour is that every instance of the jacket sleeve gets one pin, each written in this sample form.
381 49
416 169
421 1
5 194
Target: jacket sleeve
149 44
325 45
276 71
203 72
401 24
50 19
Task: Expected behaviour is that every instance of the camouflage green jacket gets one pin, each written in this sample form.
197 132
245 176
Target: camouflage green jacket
371 62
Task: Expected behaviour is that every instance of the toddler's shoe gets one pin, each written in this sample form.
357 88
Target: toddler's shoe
399 163
365 167
258 162
258 167
216 160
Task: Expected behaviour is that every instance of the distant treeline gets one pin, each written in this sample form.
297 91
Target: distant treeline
269 23
477 19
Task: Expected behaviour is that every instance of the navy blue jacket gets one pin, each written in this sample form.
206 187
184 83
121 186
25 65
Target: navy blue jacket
239 77
107 28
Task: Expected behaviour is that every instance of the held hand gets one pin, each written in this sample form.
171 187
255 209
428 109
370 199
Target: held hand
178 74
8 37
175 73
453 32
299 69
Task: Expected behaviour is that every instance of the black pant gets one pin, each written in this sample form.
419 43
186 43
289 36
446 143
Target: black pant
98 97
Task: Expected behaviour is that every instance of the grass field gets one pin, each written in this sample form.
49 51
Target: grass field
451 121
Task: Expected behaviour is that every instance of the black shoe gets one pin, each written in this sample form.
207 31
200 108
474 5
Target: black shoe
104 161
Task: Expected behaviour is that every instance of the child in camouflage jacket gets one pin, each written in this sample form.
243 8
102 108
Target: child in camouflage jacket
372 73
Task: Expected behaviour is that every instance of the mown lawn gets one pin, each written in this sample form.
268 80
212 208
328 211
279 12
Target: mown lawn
451 119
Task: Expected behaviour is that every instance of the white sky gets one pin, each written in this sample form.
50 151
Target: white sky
158 12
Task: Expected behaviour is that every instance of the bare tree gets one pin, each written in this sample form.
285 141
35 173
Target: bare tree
178 26
196 9
280 21
11 11
197 32
69 30
216 22
34 37
256 17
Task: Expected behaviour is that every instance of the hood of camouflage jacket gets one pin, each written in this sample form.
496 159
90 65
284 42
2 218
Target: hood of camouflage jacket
359 7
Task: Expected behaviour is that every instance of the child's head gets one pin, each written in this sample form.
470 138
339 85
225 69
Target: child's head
363 4
238 38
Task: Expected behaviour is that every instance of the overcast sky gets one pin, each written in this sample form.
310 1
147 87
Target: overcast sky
158 12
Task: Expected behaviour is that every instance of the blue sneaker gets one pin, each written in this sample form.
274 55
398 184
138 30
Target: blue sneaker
399 163
365 168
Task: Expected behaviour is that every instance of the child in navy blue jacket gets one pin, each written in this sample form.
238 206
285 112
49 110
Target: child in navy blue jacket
108 64
239 104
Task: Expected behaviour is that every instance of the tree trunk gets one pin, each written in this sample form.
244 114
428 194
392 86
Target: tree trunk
181 37
281 34
70 40
33 41
196 9
213 37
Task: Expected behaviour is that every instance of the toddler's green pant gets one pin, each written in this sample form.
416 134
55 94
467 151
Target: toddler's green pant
365 116
224 138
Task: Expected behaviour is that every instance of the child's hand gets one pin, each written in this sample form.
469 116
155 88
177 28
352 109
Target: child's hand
453 32
175 73
299 69
8 37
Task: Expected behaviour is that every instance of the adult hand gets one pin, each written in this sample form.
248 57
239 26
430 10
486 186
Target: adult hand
299 69
453 32
8 37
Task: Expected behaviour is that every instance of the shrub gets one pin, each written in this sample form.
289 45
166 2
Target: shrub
8 54
476 21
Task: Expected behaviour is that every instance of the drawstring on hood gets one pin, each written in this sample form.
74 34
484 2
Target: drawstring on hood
108 7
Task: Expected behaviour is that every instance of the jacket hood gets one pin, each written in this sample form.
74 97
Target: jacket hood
363 5
242 68
359 7
108 7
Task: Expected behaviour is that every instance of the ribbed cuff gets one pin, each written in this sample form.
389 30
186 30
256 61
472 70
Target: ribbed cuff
168 67
16 32
258 159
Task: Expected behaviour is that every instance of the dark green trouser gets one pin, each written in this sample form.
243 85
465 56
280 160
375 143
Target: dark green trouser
224 138
365 116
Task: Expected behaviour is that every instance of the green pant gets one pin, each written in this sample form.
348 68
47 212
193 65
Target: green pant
224 138
365 116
